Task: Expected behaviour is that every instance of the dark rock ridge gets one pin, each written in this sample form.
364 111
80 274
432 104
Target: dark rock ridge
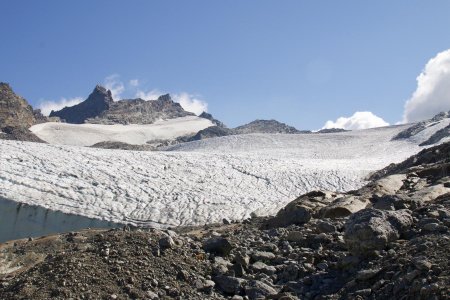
258 126
420 126
437 136
332 130
99 108
437 155
16 116
387 240
265 126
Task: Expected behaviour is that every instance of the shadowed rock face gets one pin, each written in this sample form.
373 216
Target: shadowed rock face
98 101
16 116
100 108
138 111
15 112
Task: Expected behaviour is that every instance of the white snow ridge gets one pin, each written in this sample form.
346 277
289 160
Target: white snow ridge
194 183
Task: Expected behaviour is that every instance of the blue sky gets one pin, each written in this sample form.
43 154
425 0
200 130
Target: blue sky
300 62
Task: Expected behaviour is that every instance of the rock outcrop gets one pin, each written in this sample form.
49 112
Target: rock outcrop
216 122
437 136
332 130
420 126
15 112
16 116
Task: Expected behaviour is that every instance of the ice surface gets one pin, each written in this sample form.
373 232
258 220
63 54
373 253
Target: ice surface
197 182
89 134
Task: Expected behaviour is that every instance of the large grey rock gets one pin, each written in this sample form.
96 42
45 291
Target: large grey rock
261 267
371 229
344 206
166 242
262 256
218 245
301 210
429 193
256 289
230 285
388 185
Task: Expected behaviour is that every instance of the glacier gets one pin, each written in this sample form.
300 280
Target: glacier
198 182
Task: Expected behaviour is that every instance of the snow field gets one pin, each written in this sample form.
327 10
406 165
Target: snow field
90 134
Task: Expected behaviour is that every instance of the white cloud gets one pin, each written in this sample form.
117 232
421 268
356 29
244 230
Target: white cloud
433 90
191 103
47 106
134 82
359 120
150 95
116 86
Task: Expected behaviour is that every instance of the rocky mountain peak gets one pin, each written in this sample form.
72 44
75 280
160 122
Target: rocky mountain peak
165 98
98 101
100 94
4 86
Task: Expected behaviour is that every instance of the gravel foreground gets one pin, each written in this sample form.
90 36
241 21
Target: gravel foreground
387 240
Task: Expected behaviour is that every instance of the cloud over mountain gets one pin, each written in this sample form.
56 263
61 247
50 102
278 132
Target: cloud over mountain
47 106
433 90
359 120
115 85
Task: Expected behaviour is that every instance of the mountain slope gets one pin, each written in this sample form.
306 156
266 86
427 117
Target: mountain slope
16 116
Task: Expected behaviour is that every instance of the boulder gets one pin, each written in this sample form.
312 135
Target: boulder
229 284
166 242
218 245
256 289
370 230
344 206
301 210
